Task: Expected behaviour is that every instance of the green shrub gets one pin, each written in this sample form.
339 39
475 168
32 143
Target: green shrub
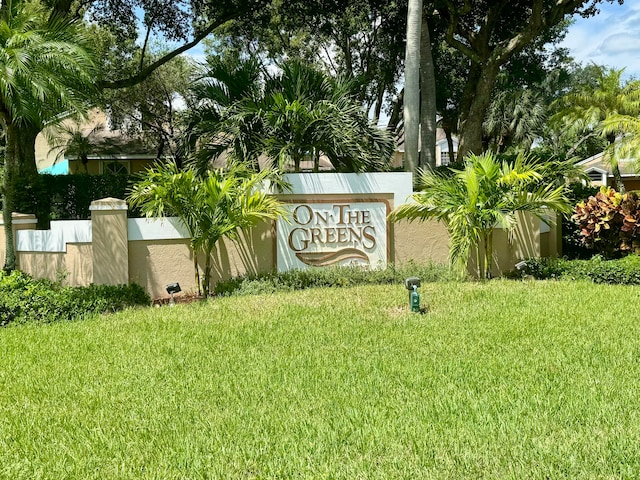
572 244
330 277
67 197
24 299
624 271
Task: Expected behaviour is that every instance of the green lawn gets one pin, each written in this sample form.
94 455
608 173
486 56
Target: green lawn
498 380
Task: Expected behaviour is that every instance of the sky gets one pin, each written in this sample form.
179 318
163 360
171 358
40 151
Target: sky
611 38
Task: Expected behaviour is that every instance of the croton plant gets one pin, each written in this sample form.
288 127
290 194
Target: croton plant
610 222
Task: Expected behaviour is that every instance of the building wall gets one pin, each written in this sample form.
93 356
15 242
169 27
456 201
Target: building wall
631 184
156 263
95 167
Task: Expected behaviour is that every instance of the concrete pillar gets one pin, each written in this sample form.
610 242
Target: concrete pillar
21 221
109 231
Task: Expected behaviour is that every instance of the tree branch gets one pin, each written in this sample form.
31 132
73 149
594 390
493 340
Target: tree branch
145 72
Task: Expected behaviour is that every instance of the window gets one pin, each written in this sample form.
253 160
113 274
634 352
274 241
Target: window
117 167
445 159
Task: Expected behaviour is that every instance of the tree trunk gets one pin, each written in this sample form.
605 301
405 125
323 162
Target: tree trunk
11 173
412 86
26 150
394 118
206 280
427 99
378 103
617 176
449 135
615 168
196 270
471 119
488 252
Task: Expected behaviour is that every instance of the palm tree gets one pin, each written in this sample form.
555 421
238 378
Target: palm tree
590 108
515 117
307 113
628 144
72 140
47 70
297 114
217 205
214 128
473 201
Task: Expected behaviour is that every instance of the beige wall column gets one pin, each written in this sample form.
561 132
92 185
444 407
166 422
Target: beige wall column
21 221
109 231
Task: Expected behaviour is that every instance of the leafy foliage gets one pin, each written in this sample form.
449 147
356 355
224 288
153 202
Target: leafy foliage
68 197
589 110
299 114
609 222
477 198
23 299
572 245
214 206
48 70
624 271
330 277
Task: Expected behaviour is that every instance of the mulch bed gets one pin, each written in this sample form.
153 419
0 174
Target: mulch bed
180 298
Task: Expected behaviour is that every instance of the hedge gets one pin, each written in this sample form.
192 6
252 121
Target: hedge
331 277
68 197
23 299
624 271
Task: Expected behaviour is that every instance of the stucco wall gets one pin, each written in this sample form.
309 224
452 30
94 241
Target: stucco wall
420 242
75 267
154 264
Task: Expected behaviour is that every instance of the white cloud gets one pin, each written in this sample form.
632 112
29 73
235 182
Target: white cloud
619 43
610 38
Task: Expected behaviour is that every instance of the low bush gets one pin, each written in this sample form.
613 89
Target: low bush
624 271
330 277
24 299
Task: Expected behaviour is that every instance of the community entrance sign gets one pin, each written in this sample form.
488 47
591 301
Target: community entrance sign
333 233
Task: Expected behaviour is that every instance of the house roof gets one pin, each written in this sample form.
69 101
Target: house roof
597 162
116 143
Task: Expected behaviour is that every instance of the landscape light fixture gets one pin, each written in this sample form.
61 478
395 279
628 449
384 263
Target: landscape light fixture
171 289
412 284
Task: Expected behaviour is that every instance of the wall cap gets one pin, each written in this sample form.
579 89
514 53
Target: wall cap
108 204
21 219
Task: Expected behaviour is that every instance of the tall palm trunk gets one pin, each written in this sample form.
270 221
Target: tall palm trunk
196 270
26 154
412 86
488 254
206 278
20 162
615 167
11 173
617 176
427 99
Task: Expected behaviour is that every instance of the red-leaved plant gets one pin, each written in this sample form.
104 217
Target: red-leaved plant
610 222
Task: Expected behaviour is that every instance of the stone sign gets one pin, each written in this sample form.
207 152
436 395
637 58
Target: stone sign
337 233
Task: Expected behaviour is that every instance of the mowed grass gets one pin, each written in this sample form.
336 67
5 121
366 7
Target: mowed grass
496 380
